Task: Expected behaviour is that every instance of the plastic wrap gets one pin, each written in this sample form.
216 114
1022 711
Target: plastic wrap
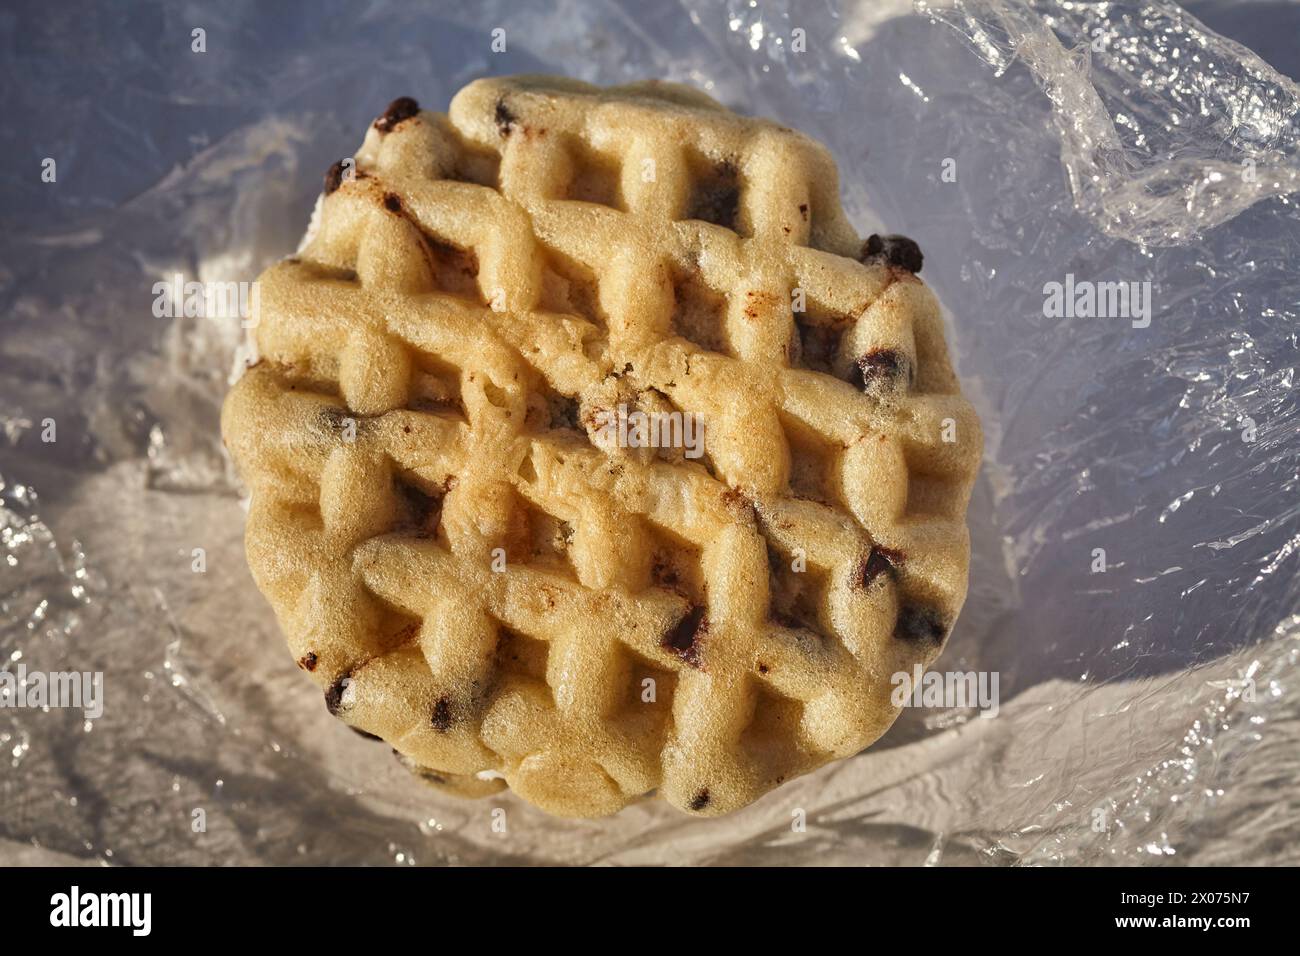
1148 712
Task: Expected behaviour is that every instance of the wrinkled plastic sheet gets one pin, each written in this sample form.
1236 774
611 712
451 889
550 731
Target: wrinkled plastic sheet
1148 712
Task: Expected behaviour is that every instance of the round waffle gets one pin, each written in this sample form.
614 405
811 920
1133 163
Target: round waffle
476 569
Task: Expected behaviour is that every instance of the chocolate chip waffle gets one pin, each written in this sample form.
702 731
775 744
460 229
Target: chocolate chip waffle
475 571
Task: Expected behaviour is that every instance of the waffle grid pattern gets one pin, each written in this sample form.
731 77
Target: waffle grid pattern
474 574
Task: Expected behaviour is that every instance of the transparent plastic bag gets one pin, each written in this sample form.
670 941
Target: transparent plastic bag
1147 712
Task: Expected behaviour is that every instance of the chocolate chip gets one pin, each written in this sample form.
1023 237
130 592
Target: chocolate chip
700 800
402 108
814 346
334 177
504 118
446 258
684 638
880 561
880 368
663 573
421 509
393 202
334 696
309 661
564 411
919 625
896 250
442 719
716 199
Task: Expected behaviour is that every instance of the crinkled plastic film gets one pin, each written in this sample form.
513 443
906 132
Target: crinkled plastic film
1147 712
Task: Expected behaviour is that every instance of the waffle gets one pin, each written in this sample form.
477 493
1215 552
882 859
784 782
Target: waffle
475 572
